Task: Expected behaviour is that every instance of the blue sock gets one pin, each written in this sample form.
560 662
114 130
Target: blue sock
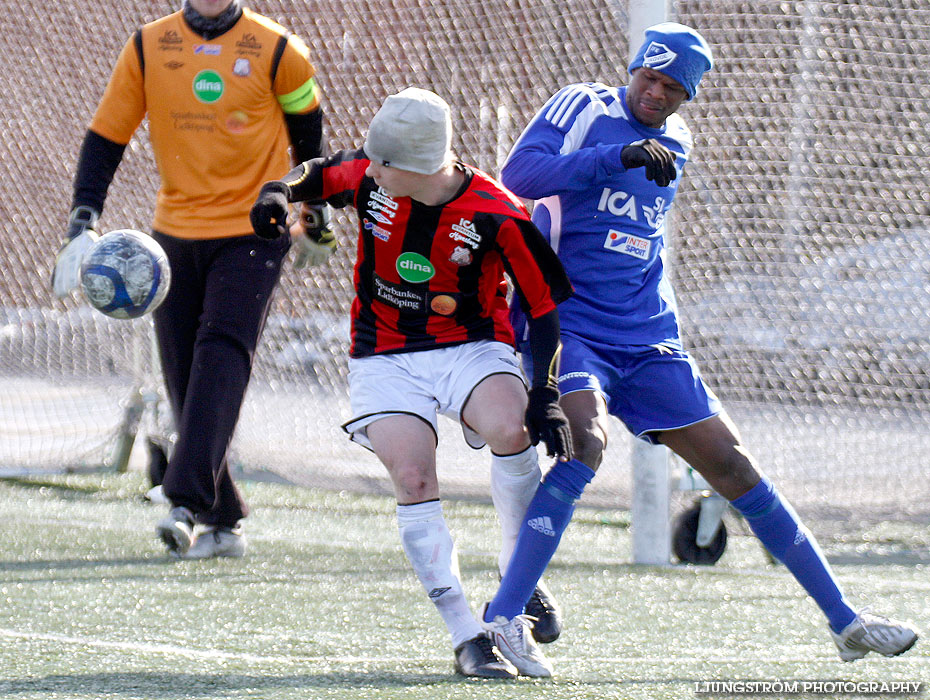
546 518
780 529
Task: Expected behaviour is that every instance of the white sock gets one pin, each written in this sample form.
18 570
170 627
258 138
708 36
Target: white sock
429 547
514 479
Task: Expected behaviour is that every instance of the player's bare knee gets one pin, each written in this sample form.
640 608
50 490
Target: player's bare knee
588 447
411 482
509 438
734 474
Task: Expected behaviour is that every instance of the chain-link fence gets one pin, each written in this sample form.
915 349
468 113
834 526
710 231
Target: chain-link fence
801 250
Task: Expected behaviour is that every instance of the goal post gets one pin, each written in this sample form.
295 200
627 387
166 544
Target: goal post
650 511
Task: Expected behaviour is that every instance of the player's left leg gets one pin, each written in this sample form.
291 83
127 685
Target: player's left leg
714 449
494 410
540 531
667 401
406 445
539 527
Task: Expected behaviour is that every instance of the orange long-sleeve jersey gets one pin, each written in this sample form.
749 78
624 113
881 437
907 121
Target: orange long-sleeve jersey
216 115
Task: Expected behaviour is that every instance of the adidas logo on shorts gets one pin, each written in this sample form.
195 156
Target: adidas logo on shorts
542 524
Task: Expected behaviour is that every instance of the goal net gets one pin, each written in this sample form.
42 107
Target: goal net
801 251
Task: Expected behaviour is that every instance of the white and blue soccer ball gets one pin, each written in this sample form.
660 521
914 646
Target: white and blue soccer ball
126 274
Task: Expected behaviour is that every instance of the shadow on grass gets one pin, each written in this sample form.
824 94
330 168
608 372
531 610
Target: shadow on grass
159 567
72 564
191 685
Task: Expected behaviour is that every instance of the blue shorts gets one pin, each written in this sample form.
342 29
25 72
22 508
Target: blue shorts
649 387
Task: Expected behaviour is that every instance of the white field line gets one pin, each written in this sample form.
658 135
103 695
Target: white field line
212 654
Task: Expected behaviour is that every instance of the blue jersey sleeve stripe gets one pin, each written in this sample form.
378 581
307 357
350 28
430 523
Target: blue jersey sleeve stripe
566 103
557 105
573 99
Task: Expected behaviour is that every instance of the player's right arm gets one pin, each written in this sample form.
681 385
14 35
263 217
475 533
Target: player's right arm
118 115
551 155
333 180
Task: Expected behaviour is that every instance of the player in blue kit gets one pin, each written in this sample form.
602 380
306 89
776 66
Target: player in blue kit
603 164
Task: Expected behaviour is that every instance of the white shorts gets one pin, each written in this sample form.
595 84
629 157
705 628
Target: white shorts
424 383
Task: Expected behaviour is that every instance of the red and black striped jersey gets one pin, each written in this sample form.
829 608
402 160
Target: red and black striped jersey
433 276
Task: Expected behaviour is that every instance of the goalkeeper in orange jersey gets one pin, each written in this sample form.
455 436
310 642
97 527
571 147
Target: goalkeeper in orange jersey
226 92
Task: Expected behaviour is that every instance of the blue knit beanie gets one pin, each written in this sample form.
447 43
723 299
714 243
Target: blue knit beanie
676 51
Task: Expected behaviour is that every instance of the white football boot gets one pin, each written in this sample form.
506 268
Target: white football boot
870 632
515 640
217 542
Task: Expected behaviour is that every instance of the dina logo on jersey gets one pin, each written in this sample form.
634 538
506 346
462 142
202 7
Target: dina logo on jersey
413 267
658 56
208 86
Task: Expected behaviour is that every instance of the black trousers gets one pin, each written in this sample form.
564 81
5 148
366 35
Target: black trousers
207 330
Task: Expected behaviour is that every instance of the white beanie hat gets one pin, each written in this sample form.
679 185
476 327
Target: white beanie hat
412 131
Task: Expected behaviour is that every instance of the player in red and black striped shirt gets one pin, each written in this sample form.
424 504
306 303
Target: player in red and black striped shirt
431 333
431 275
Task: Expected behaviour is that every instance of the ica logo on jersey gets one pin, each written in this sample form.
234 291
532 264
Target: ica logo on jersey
619 203
381 208
464 232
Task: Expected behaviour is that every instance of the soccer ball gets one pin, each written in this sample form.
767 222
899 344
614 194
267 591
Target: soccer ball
126 274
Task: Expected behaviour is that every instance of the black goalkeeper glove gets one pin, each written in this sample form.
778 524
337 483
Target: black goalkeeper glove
269 213
546 421
656 158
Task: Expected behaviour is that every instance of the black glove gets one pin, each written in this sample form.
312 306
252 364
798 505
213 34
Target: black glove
82 219
546 421
269 213
656 158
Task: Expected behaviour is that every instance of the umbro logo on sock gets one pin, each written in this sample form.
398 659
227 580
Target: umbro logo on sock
542 524
436 592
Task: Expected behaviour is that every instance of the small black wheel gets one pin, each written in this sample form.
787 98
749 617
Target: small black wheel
158 462
684 539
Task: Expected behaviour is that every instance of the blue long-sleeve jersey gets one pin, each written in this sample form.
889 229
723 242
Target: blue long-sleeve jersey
606 223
